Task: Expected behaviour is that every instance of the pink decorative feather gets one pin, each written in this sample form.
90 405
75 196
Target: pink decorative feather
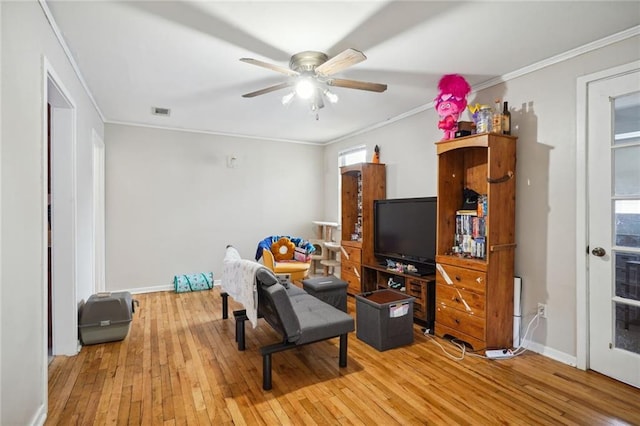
455 85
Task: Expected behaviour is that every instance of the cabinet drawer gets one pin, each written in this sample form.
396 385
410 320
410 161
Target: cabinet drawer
463 279
416 288
455 298
349 267
353 254
461 321
418 310
353 282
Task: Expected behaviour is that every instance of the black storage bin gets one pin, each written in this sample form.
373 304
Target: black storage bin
384 319
330 289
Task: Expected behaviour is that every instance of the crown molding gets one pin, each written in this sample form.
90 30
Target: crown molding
211 132
67 52
598 44
590 47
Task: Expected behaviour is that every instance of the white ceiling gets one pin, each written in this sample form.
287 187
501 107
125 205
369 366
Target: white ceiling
184 55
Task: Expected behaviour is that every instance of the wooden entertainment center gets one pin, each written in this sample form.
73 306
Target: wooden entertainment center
361 184
474 295
470 297
421 287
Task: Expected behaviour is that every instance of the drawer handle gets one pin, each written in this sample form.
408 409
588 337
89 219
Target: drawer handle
344 252
455 299
458 278
461 300
457 321
506 177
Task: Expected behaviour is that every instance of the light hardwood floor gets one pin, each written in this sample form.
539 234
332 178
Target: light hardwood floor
179 365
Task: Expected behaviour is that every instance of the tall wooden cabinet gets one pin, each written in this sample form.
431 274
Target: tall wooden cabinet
361 184
474 291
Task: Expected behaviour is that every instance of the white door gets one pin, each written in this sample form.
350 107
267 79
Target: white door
614 226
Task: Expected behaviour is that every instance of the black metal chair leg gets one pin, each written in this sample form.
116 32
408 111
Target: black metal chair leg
266 371
343 350
225 305
241 317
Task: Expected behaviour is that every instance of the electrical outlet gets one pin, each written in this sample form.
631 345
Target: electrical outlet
542 310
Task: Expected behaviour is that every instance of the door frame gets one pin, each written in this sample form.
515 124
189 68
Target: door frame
98 226
582 234
64 226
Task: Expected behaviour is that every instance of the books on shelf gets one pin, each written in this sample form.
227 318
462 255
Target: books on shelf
470 225
482 209
471 230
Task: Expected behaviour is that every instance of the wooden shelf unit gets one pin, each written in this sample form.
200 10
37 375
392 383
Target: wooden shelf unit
376 277
361 184
474 296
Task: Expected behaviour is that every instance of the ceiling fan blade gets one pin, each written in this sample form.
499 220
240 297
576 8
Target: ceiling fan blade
268 89
342 60
269 66
354 84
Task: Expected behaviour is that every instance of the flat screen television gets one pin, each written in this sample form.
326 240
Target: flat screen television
405 231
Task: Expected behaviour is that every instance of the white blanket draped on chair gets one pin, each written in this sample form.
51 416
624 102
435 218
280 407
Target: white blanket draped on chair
239 281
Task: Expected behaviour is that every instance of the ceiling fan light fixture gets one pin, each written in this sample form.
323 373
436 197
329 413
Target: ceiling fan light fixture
286 99
332 97
311 72
305 88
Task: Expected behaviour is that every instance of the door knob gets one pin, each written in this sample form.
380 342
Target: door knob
598 251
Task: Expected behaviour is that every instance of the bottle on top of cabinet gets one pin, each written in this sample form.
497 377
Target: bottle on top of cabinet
506 120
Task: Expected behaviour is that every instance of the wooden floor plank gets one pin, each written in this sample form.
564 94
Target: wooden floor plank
180 365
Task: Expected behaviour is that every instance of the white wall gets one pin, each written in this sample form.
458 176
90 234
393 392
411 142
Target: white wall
173 204
407 150
156 177
543 107
26 38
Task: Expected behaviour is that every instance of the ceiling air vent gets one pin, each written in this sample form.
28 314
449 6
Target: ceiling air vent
165 112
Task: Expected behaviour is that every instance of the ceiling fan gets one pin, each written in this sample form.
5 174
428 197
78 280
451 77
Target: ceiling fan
311 73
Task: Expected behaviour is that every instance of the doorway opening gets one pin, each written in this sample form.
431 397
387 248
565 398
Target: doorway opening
59 221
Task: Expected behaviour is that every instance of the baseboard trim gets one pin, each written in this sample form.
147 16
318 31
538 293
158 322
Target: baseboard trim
154 289
40 416
551 353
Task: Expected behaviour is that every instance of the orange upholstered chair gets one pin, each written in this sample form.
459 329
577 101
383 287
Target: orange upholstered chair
297 270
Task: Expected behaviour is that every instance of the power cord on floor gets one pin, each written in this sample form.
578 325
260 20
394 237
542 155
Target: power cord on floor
463 349
521 349
460 346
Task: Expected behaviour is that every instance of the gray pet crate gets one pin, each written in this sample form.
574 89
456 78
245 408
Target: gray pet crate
106 317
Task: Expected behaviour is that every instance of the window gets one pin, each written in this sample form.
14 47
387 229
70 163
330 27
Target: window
353 155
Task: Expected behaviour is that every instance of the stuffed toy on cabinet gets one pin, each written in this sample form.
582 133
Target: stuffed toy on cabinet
451 102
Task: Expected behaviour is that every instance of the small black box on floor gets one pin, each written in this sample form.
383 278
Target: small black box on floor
106 317
329 289
384 319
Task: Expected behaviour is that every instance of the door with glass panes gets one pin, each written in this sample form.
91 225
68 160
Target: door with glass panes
614 226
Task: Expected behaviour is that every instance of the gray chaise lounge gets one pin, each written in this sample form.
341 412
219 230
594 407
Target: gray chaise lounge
296 315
